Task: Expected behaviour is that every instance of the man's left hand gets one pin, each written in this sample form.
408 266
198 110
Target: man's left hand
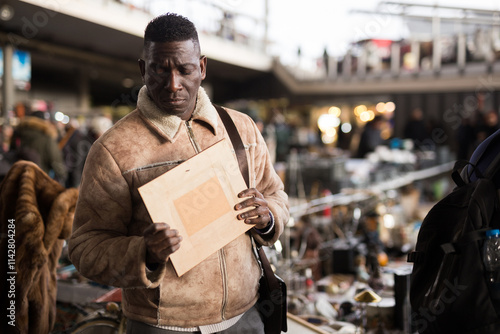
259 214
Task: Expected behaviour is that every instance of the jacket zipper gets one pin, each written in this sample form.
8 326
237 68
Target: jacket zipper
224 282
191 137
222 257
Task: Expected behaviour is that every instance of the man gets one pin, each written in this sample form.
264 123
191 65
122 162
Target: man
114 240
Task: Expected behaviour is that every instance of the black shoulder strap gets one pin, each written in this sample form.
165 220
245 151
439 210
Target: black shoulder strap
457 168
239 148
493 168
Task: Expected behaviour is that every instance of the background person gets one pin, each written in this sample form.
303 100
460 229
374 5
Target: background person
35 139
370 137
416 129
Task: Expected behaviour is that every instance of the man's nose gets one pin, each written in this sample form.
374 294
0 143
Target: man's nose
173 82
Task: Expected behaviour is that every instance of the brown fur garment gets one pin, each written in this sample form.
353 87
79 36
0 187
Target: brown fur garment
43 212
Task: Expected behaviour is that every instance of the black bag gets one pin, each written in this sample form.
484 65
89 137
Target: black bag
448 285
272 303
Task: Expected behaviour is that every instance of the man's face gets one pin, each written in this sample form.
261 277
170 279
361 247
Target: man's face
172 73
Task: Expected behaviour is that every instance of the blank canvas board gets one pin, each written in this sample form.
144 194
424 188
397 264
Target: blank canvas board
197 198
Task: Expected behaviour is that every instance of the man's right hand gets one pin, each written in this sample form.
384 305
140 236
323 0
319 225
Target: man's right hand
161 241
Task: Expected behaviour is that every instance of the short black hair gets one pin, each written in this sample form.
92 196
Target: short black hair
170 27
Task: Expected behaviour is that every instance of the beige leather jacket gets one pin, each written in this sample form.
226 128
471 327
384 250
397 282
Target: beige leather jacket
106 244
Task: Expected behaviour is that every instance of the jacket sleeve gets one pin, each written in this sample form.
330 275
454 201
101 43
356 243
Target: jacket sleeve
100 247
268 182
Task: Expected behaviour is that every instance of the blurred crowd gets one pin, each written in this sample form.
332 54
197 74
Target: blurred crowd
474 130
58 148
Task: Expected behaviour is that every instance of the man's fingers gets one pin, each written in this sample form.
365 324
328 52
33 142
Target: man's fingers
250 192
161 241
169 250
256 212
254 202
259 218
154 228
164 238
162 244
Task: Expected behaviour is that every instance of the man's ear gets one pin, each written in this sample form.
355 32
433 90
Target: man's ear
203 67
142 67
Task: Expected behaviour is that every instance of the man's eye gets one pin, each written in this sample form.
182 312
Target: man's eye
158 69
187 70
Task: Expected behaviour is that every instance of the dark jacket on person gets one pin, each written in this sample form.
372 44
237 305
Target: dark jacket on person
40 138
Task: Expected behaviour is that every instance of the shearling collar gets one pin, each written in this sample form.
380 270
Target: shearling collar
170 124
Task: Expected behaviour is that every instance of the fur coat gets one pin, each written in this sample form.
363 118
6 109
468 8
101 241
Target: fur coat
42 212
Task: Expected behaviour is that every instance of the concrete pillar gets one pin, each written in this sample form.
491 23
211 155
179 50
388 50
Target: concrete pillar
83 91
266 25
8 89
490 55
362 63
436 44
461 51
395 59
346 65
332 68
415 51
377 65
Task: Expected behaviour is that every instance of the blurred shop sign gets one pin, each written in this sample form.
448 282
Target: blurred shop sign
21 69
